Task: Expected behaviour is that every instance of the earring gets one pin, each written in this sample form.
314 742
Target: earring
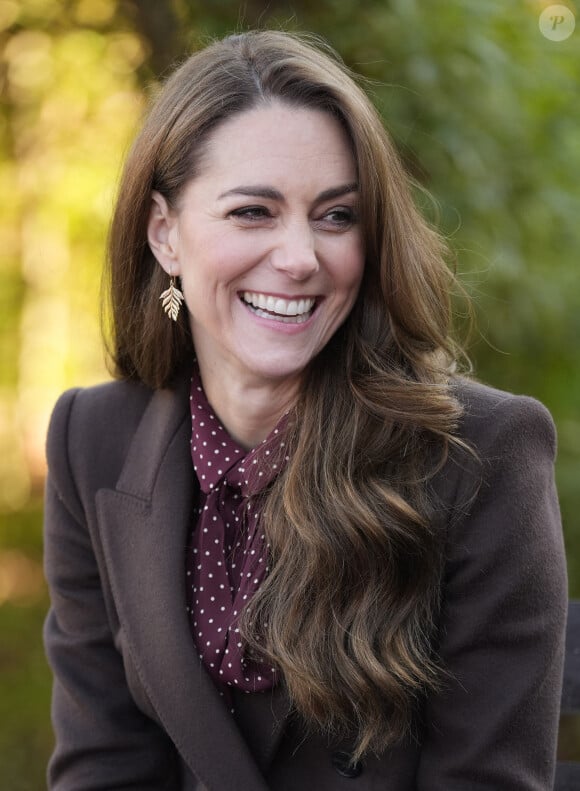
172 299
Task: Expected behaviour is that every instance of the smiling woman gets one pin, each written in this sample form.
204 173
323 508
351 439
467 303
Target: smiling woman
270 254
292 545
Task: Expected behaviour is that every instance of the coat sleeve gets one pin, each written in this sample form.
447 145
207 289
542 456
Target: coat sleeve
494 726
103 740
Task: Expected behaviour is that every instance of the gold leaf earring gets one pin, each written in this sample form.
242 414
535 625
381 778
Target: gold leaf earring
172 299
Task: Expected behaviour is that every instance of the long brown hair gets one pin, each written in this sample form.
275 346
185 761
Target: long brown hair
348 611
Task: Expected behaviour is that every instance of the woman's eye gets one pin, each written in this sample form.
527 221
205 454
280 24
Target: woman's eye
251 213
340 217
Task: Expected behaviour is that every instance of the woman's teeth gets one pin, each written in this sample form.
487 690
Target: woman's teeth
293 311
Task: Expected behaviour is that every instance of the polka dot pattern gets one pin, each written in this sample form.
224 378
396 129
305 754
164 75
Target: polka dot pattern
228 554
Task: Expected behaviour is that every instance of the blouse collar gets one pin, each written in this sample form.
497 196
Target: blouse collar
217 455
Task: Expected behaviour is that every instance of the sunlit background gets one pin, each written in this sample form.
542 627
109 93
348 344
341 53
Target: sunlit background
486 113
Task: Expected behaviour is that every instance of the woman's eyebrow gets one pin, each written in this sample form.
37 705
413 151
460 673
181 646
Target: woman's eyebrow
337 192
269 193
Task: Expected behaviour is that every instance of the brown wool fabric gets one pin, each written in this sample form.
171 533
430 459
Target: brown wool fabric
227 556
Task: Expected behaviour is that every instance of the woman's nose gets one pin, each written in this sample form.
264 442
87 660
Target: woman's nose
295 252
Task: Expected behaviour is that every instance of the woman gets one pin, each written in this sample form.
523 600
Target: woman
290 547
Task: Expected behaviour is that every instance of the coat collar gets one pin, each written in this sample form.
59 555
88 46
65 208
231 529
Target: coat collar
144 525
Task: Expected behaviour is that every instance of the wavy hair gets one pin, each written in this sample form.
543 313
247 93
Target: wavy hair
349 609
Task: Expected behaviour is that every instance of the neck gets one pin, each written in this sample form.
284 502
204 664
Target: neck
248 407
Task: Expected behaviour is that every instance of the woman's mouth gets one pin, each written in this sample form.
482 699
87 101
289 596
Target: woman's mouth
287 311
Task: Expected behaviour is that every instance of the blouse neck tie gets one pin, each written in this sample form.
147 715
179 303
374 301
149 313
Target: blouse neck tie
228 557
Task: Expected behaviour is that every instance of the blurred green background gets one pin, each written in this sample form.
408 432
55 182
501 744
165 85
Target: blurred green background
486 113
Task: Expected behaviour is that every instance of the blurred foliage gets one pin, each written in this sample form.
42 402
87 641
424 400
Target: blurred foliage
485 112
25 735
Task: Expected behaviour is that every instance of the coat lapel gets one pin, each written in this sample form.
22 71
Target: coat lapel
144 524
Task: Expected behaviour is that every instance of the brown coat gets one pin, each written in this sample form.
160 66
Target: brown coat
134 708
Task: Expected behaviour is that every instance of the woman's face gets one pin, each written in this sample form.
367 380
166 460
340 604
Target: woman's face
266 241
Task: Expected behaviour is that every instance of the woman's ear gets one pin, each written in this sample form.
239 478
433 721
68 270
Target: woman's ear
162 233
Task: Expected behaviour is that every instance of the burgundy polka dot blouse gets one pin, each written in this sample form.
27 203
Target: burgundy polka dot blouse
227 557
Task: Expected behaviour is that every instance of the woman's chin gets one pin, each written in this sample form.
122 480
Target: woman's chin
275 367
